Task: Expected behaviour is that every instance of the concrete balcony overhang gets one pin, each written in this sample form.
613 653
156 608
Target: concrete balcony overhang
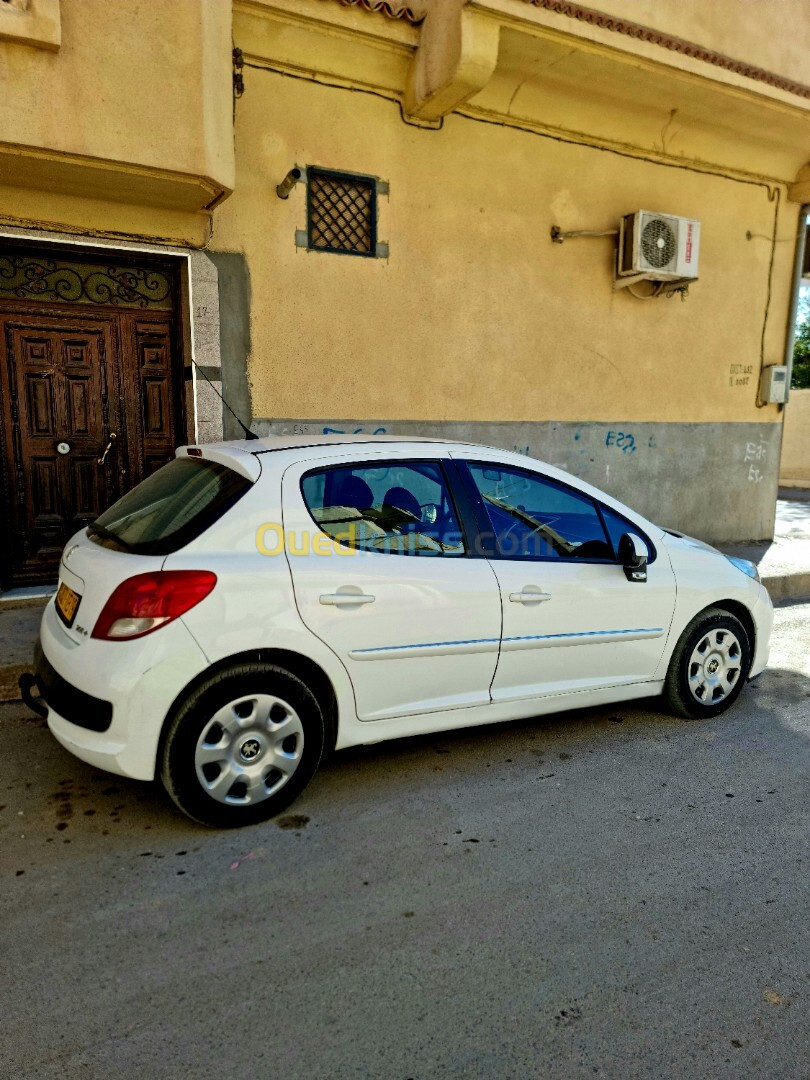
45 189
74 175
536 63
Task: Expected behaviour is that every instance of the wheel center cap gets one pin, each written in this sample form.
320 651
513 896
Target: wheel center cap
250 749
712 665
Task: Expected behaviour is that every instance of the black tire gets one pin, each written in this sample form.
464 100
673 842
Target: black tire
184 738
678 693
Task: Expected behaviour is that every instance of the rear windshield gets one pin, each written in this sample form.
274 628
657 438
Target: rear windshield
170 508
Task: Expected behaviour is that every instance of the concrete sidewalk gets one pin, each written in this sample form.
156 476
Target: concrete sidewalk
784 563
784 566
18 632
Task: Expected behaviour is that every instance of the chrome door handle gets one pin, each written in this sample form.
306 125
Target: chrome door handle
107 448
529 595
346 599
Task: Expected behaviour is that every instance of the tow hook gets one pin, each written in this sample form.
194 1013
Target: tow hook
26 684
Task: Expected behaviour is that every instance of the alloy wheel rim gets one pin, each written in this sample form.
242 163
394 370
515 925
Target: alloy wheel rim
714 666
249 749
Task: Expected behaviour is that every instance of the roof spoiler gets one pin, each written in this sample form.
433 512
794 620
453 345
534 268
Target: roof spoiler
246 464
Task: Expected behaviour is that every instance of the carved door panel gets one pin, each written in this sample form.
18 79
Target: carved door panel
150 367
61 402
89 345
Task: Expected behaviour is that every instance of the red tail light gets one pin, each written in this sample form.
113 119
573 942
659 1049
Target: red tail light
143 603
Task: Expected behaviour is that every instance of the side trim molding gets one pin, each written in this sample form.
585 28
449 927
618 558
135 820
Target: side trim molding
486 645
555 641
432 648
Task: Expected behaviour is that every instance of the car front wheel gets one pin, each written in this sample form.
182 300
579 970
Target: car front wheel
709 666
243 746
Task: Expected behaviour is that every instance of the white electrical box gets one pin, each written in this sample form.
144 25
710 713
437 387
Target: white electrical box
773 384
661 247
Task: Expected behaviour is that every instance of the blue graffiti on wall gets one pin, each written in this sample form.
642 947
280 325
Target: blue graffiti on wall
622 440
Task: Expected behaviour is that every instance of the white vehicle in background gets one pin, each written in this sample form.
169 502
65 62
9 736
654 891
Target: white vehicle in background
255 603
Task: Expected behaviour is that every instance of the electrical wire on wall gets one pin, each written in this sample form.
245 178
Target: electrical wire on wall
772 188
774 196
657 290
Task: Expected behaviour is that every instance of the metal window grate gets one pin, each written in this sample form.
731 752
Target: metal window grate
342 212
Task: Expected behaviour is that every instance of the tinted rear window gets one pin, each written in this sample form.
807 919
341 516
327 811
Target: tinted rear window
170 508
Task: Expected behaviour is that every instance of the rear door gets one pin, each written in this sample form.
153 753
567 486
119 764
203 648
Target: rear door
383 575
571 619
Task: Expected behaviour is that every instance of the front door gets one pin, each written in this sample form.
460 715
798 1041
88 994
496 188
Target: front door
90 403
571 619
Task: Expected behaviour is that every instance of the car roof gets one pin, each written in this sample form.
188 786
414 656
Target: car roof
245 456
292 442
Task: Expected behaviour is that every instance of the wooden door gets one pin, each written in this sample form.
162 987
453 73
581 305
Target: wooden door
61 403
72 375
150 373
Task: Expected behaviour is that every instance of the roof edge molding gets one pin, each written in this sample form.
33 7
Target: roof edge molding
668 41
437 17
412 13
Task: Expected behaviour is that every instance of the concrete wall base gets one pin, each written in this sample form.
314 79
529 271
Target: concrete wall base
717 481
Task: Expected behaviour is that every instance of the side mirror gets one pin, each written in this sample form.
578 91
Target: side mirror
633 555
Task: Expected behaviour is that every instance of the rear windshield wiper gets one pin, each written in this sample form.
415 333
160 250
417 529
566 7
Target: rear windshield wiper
108 534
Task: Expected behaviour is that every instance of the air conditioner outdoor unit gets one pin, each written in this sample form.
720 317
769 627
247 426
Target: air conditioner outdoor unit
660 247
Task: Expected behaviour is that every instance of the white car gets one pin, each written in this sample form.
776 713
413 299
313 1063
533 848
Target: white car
253 604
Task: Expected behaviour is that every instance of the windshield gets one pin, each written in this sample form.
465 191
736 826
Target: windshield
170 508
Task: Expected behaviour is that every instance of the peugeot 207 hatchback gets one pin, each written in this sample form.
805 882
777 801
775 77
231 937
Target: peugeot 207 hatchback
255 603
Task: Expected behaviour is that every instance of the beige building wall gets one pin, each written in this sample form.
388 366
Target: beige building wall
795 465
476 314
474 324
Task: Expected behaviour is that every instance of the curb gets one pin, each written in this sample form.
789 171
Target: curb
9 681
788 586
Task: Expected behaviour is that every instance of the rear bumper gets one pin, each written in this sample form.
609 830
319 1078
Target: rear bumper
132 683
69 701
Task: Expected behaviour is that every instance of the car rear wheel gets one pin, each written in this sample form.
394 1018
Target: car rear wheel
709 666
243 746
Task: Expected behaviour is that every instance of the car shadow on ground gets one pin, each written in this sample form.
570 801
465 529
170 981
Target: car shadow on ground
551 739
61 799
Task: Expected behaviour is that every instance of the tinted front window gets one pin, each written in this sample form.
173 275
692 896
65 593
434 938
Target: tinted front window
170 508
394 508
533 517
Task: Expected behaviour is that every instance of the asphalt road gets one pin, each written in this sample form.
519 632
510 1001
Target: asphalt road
612 893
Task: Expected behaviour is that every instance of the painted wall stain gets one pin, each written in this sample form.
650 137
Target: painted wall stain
755 452
740 374
357 431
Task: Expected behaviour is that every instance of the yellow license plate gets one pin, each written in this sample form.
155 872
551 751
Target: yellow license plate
67 604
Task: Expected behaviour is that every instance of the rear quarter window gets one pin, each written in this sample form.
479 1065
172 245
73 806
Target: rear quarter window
170 508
